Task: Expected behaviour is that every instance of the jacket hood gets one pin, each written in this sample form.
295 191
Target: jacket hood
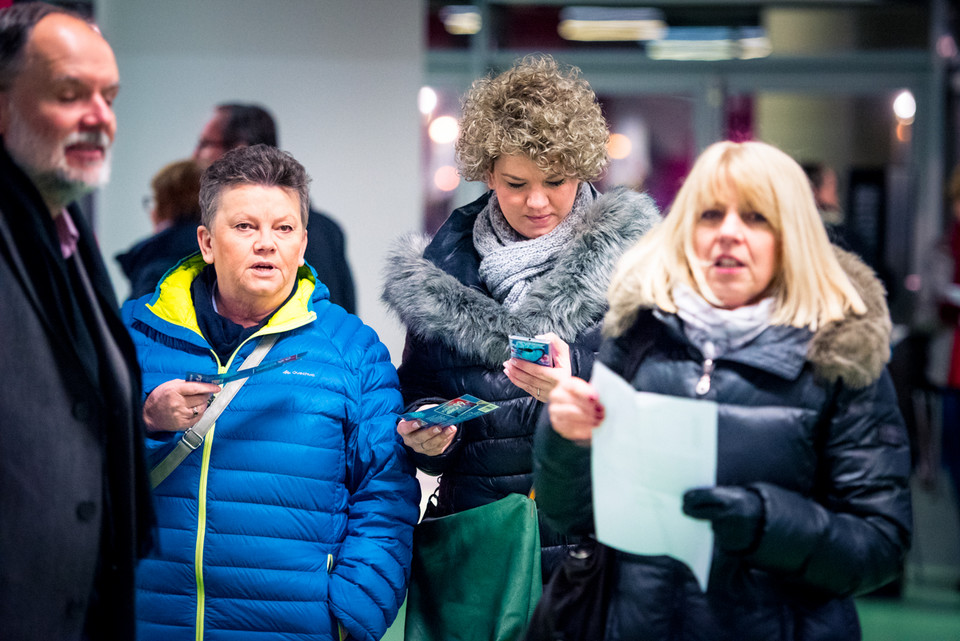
568 299
855 349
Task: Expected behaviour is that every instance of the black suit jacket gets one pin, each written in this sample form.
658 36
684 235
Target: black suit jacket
74 497
326 253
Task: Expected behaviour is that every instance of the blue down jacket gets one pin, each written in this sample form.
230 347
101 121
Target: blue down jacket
808 420
297 511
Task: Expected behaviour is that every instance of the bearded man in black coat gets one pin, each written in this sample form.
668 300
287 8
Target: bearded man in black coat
74 497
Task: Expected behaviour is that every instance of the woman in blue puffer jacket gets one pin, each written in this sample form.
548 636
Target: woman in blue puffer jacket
293 519
738 298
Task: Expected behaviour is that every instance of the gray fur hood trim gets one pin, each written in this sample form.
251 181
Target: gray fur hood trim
855 349
568 299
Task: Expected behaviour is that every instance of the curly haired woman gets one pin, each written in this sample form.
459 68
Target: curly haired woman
532 256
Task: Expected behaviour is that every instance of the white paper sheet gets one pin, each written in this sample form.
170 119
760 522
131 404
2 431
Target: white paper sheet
648 451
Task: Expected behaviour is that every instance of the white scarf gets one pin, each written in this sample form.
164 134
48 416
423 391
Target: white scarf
714 330
509 262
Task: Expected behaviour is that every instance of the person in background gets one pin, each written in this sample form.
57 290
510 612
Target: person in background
825 184
532 256
174 209
240 125
739 298
939 311
75 509
295 515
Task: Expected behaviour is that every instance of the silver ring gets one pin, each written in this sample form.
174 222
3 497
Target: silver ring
195 412
538 393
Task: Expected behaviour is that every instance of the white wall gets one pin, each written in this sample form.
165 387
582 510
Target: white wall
341 78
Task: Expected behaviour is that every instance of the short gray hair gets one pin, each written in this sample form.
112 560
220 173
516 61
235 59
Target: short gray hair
257 165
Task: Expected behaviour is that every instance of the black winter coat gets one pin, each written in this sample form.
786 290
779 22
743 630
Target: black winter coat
145 263
457 337
75 510
811 423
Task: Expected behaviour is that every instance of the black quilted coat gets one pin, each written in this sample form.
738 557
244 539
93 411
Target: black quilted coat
457 337
808 420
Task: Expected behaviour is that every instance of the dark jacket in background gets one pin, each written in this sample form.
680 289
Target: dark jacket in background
810 421
147 261
74 500
327 254
457 337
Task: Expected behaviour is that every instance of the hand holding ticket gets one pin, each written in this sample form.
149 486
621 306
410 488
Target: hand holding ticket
535 350
222 379
452 412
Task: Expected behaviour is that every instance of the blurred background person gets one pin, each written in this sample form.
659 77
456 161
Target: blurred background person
939 312
739 298
532 256
823 181
174 208
825 186
296 512
239 125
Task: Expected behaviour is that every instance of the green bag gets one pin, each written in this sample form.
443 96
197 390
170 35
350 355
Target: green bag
476 574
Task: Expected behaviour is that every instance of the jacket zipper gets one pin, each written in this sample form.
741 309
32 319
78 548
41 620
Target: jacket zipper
202 499
709 354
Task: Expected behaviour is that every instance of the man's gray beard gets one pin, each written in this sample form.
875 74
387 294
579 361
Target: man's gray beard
56 185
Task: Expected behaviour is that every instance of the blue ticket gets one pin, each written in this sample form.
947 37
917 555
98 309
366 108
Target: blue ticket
458 410
221 379
535 350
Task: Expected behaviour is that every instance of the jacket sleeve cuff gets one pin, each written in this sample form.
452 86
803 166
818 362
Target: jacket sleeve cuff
793 525
562 483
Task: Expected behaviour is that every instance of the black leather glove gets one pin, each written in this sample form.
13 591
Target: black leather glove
736 513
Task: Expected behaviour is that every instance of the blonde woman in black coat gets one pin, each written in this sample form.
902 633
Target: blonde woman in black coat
738 298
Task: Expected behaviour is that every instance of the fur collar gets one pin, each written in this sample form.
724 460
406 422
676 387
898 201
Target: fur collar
855 349
568 299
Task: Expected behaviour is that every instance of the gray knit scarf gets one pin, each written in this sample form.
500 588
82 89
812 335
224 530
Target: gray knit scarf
716 331
509 262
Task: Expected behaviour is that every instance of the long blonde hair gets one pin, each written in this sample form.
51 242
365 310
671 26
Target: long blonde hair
810 287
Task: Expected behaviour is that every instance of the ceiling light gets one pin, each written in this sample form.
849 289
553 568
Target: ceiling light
596 24
711 43
443 130
427 100
905 107
461 20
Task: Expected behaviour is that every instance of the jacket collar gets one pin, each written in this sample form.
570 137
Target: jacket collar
855 349
785 360
170 308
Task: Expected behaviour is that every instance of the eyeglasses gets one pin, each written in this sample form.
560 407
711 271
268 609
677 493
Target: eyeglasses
203 143
148 203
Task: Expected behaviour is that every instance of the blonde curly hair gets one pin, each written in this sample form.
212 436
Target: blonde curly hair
535 109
